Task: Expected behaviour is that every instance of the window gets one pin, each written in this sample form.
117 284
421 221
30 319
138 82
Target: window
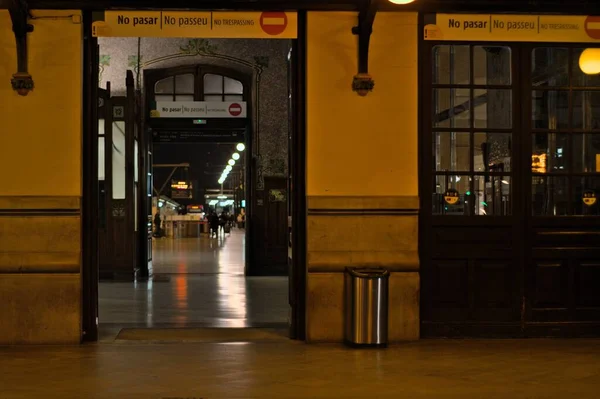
101 160
565 125
472 130
216 88
175 88
118 160
220 88
136 161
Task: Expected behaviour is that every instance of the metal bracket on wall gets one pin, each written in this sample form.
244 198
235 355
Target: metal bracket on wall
363 82
21 82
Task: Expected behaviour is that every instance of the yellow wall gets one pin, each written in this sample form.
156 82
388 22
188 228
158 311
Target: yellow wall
362 145
362 168
40 169
40 134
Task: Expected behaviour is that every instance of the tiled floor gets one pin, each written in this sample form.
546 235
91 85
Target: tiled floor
503 369
203 285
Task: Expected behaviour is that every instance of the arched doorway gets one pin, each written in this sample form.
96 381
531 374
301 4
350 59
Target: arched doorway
213 85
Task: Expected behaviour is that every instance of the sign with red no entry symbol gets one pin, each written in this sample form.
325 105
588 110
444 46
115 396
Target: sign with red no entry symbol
273 23
199 109
235 109
592 27
205 24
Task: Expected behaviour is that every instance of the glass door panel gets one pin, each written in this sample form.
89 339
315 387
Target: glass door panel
565 119
472 128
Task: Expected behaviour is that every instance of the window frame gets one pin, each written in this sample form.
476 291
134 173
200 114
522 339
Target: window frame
573 178
432 130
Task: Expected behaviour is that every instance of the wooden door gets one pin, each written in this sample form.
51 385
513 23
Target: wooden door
510 226
270 228
104 127
92 103
471 234
562 127
117 185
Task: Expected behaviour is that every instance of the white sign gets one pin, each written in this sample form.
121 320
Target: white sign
199 109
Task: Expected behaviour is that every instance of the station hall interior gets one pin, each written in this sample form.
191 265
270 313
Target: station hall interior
235 167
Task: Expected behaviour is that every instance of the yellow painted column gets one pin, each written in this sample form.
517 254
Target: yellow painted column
362 168
40 194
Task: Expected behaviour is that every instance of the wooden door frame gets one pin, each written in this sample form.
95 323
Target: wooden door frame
89 266
297 194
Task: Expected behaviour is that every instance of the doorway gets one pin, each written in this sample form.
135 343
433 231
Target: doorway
252 188
509 144
216 151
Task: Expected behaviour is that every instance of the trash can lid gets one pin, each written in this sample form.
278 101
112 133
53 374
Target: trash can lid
367 272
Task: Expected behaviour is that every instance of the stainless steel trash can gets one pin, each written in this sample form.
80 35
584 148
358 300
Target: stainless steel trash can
366 307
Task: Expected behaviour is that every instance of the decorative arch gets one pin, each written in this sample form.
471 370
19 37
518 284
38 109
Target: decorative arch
246 73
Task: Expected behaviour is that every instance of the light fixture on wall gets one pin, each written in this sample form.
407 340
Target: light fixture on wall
401 1
21 82
589 61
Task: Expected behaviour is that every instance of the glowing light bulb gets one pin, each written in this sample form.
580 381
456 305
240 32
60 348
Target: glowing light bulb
589 61
240 147
231 162
236 156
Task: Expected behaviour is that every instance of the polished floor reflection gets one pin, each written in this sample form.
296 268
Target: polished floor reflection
199 282
445 369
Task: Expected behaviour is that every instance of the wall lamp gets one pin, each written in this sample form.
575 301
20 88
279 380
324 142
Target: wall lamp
589 61
362 82
22 82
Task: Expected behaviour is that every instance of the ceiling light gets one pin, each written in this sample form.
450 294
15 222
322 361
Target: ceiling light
235 156
401 1
240 147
